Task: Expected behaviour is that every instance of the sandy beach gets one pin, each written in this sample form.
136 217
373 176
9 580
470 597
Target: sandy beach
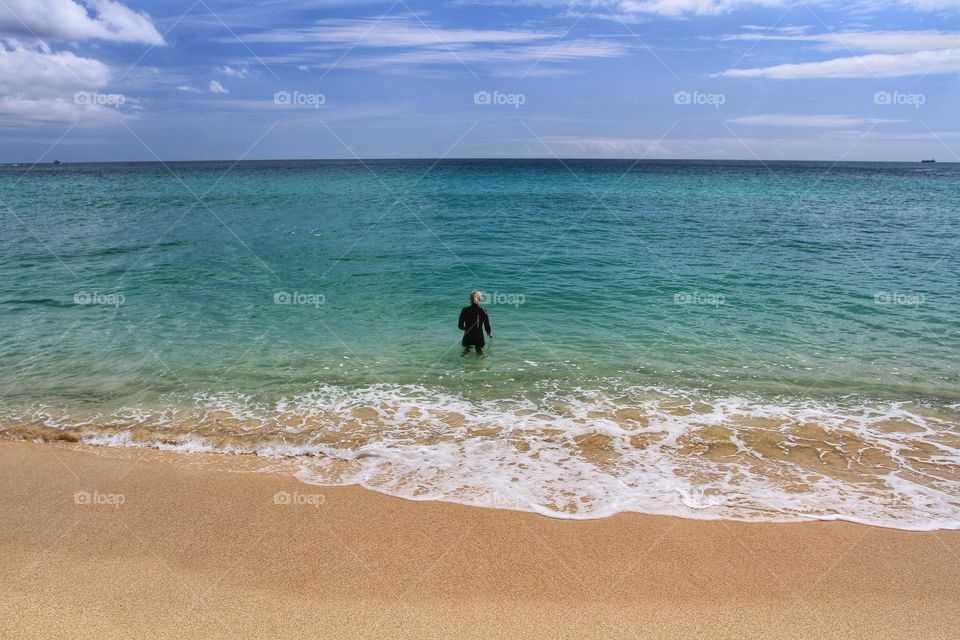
102 543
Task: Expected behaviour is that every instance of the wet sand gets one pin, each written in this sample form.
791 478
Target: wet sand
102 543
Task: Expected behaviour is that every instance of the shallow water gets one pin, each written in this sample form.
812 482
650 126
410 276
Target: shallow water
732 340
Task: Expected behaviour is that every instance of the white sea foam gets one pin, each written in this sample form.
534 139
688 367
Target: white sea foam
590 453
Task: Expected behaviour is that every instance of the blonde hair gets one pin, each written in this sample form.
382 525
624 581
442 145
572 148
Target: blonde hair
475 296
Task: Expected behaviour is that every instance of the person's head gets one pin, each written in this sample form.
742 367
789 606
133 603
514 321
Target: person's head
475 297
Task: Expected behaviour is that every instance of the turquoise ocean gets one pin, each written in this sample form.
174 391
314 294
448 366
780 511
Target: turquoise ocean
738 340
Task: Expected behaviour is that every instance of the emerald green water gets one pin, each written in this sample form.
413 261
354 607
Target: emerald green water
132 295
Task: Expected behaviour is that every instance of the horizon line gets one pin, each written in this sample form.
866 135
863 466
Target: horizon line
475 158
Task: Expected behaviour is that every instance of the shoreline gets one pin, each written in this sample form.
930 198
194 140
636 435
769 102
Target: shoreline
720 458
131 542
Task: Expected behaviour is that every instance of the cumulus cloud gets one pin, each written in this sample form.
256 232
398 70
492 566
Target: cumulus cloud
69 19
37 84
216 87
233 72
48 73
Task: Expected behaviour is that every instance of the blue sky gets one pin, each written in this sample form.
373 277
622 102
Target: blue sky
100 80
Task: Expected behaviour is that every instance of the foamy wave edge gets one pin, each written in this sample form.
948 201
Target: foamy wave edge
489 472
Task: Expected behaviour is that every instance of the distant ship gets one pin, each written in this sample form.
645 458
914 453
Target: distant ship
925 161
59 162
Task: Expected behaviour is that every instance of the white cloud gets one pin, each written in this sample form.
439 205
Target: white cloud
390 43
38 85
46 73
390 32
931 5
784 30
692 7
216 87
716 7
876 65
826 121
885 54
28 110
69 19
562 51
870 41
685 8
233 72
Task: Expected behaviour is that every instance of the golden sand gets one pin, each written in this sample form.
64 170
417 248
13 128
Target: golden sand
104 543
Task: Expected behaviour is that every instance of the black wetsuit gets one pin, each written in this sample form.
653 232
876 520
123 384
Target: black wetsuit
474 321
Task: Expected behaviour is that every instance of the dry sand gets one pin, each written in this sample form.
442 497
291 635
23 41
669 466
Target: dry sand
203 552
